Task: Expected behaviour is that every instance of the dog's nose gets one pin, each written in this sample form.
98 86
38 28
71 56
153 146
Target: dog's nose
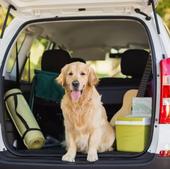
75 83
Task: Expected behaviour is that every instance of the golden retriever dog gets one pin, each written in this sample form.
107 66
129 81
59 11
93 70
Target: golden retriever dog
86 126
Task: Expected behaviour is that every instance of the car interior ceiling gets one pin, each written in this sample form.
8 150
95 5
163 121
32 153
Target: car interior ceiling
48 113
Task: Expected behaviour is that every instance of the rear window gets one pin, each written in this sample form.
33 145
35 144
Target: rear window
110 67
107 68
15 51
33 60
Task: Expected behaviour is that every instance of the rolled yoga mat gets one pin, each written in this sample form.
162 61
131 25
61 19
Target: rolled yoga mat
23 119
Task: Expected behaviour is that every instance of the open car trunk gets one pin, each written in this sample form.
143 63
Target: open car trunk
100 42
60 7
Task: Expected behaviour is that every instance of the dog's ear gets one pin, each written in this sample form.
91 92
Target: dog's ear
61 78
92 79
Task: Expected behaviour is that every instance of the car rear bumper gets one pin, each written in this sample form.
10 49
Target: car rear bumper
23 163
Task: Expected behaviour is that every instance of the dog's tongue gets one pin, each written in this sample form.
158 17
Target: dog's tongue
75 95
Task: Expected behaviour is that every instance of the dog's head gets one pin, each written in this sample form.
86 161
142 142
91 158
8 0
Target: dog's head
75 77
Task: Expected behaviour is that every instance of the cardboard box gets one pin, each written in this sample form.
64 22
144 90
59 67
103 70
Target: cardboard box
142 106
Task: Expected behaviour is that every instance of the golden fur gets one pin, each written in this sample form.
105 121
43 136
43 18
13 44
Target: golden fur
86 126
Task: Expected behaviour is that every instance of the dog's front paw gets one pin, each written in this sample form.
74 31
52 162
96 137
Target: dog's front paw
68 157
92 157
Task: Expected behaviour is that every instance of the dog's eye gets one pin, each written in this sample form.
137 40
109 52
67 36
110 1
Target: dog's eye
82 73
70 74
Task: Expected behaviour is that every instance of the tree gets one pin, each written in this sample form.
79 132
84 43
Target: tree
2 17
163 10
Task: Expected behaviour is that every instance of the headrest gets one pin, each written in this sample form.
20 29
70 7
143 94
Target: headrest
78 60
54 60
133 62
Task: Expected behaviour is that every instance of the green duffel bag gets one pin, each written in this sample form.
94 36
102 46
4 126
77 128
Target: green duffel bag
46 87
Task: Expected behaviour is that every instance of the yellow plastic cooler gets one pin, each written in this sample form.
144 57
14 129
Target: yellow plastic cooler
132 133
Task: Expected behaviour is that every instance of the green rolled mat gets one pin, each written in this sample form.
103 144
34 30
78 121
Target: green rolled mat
24 119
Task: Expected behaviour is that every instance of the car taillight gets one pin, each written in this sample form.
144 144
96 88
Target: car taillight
165 91
164 153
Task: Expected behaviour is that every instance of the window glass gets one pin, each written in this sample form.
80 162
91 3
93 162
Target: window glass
34 59
16 48
110 67
107 68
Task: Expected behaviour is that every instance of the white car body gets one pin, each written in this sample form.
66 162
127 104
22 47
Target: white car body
27 11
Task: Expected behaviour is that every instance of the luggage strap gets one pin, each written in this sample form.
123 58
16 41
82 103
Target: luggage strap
19 116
